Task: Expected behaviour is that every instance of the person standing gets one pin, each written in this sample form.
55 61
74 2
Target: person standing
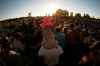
50 50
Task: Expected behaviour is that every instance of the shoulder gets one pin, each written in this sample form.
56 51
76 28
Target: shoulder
42 48
41 51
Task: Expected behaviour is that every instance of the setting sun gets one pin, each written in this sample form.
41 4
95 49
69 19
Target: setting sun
51 8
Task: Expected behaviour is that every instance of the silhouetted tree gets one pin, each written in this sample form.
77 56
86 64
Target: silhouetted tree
78 15
71 14
61 12
86 16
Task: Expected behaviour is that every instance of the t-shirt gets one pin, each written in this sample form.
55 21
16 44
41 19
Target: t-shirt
51 56
61 39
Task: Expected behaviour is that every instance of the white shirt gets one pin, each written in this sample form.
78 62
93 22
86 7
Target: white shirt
51 56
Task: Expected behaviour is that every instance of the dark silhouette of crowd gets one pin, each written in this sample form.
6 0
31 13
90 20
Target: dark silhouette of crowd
75 46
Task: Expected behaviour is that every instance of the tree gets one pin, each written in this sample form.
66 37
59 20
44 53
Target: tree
61 12
67 13
86 16
71 14
78 15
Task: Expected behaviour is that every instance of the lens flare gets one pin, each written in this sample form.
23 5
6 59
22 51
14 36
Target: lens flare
51 8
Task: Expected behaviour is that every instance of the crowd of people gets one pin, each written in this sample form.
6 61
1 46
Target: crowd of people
50 47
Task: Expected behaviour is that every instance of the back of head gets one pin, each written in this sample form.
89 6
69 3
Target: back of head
58 29
71 26
49 41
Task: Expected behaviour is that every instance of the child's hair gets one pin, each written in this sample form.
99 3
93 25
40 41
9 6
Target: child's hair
50 41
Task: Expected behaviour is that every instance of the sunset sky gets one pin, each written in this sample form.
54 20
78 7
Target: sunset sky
20 8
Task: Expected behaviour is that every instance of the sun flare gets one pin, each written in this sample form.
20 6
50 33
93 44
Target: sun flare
51 8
